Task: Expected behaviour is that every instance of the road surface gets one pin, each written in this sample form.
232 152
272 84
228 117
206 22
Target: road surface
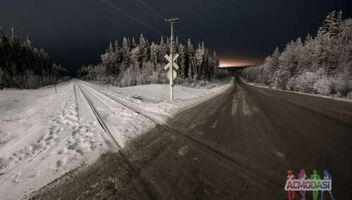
237 145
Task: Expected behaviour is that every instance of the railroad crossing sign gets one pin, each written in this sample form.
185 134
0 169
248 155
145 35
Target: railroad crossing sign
172 66
171 58
168 58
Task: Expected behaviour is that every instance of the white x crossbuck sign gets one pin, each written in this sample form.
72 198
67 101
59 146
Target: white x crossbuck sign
168 58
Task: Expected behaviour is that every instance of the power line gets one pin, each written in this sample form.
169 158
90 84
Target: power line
141 22
151 9
160 16
130 16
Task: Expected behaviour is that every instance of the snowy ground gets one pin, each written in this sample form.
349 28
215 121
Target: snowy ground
296 92
155 98
44 135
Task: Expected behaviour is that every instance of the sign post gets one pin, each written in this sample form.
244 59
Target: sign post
172 58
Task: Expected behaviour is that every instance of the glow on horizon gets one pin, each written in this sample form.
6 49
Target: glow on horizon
236 63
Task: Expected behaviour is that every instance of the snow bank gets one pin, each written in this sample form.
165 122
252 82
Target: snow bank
296 92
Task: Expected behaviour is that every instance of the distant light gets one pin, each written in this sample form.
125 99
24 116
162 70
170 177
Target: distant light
234 64
237 63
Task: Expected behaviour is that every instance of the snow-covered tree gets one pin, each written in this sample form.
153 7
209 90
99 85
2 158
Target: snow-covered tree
331 25
321 65
144 48
142 63
154 52
24 66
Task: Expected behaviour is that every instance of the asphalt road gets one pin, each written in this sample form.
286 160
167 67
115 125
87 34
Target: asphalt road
237 145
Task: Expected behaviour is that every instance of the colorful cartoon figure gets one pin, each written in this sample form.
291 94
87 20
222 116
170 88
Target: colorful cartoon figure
302 175
315 176
327 176
290 176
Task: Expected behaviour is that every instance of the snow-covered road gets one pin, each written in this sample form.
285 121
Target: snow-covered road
44 135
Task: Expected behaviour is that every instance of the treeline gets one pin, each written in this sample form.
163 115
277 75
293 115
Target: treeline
23 66
321 65
134 63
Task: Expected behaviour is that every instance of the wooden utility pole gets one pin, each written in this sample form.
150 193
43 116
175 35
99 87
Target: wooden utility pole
172 73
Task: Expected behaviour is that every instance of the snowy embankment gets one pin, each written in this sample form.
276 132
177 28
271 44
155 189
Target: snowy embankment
44 134
295 92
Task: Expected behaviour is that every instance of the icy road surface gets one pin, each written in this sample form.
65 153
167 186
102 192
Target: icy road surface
44 135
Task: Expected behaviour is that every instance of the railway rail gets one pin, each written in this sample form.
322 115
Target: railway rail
262 178
143 180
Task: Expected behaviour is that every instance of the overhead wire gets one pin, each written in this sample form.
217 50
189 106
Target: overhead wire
151 9
156 13
130 16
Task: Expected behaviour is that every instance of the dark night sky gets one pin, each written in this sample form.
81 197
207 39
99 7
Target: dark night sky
76 32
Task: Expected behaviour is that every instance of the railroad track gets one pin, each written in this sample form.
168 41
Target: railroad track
217 153
144 181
